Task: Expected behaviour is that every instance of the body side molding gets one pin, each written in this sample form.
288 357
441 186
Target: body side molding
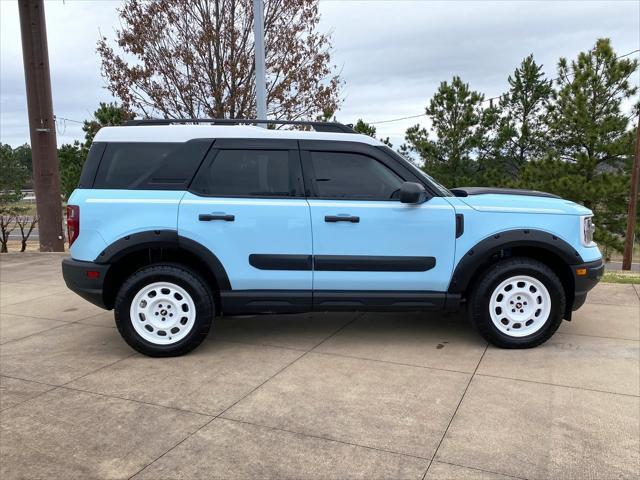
371 263
280 261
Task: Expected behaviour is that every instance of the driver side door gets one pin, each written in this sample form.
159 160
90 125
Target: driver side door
364 238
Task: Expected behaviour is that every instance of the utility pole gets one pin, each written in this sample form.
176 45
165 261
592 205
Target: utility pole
633 205
261 82
42 129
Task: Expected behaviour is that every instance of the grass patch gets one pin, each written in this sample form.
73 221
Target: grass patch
621 277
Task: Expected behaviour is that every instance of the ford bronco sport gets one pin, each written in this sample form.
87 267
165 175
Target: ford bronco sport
176 222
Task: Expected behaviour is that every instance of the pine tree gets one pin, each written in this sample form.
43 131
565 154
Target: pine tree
367 129
521 132
13 178
107 114
71 157
460 125
592 144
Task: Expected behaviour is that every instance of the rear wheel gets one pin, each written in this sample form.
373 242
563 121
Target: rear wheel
517 303
164 310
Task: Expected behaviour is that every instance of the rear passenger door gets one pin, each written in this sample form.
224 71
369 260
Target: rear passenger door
246 205
364 238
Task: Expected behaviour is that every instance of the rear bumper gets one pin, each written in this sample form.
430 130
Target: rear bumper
78 280
584 283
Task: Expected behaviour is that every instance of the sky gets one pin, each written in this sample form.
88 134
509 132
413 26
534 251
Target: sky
392 55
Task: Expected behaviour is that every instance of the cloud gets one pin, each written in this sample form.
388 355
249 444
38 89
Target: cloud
392 55
73 29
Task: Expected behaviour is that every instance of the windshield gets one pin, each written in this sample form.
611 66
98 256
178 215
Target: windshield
443 191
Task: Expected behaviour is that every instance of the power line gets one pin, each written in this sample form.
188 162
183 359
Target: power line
484 101
397 119
61 124
56 117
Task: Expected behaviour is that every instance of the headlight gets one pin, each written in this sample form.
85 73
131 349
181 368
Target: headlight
587 229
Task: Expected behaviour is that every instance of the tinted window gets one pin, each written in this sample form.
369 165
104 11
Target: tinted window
146 165
351 175
91 164
265 173
441 190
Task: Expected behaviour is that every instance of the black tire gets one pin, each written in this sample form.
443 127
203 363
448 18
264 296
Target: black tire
178 275
480 297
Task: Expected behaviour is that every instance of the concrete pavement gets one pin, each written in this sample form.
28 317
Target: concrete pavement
312 396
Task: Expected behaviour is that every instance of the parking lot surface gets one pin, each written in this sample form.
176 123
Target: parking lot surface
312 396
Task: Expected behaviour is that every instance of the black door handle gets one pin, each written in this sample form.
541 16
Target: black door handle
339 218
207 217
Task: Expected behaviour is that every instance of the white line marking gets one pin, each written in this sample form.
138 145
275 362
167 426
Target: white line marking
132 200
274 203
506 209
398 205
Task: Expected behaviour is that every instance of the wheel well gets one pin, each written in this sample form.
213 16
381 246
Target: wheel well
134 261
549 258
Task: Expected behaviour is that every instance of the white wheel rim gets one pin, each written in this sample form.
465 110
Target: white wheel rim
162 313
520 306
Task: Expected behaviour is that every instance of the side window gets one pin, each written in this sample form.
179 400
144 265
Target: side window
353 176
150 165
248 173
91 164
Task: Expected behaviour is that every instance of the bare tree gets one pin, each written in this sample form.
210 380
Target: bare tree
194 58
7 225
26 224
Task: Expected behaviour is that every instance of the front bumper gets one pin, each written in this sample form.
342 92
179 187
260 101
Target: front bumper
585 277
86 279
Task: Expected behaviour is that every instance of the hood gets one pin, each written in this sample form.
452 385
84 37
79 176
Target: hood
509 200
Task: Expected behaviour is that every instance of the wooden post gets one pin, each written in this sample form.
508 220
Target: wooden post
633 205
42 128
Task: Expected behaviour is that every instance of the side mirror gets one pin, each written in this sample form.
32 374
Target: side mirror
412 192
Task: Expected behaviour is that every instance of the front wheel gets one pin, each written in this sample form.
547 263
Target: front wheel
517 303
164 310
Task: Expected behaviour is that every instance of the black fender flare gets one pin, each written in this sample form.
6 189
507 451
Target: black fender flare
164 239
481 253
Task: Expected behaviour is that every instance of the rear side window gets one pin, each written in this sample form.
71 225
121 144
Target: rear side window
340 175
150 166
248 173
91 165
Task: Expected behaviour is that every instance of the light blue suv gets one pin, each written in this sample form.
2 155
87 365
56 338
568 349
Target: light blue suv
177 222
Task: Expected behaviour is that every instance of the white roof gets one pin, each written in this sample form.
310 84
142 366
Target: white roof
183 133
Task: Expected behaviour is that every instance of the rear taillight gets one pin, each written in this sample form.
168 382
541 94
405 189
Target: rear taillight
73 223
